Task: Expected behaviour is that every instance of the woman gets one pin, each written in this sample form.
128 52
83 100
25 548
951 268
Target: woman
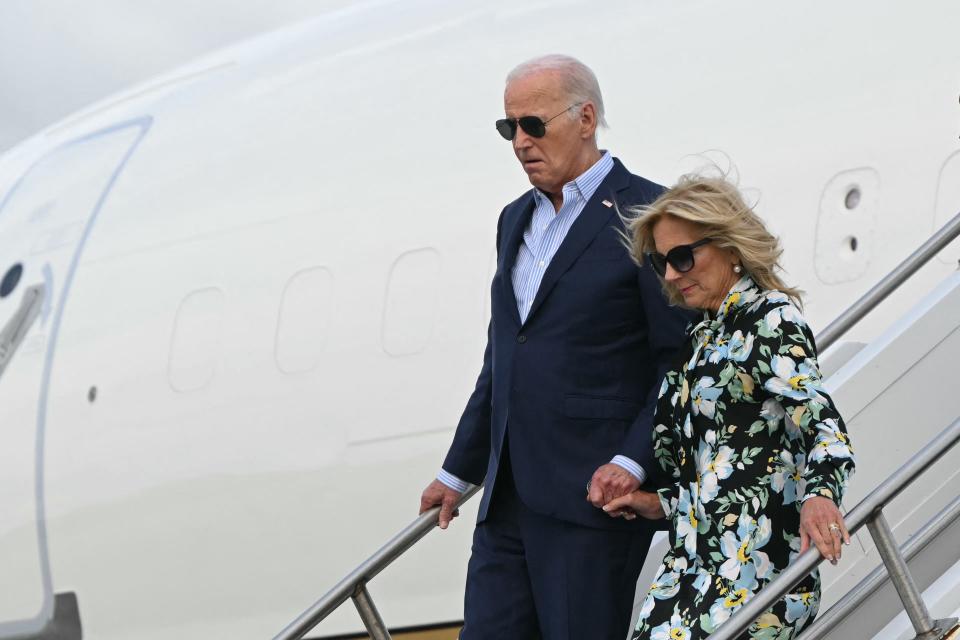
758 454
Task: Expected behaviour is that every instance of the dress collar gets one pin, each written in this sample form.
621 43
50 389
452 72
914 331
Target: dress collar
744 292
741 294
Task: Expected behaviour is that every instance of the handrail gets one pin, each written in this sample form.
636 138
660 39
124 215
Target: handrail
354 585
855 312
868 512
826 621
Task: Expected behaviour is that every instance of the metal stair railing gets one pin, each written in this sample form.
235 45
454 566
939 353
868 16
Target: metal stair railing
826 622
354 586
870 513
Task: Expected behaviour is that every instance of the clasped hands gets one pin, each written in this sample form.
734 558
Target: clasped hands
616 491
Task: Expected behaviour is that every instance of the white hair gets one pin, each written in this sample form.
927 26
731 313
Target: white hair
579 81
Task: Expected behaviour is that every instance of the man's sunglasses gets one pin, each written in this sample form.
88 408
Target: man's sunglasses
680 258
531 125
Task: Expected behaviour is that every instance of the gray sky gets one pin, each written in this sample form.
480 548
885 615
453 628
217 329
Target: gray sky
57 56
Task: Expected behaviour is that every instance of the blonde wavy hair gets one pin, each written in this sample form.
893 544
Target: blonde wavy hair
717 207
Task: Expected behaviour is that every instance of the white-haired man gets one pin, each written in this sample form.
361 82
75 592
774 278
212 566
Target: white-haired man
559 423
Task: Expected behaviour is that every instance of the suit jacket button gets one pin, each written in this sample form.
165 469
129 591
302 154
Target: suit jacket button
521 339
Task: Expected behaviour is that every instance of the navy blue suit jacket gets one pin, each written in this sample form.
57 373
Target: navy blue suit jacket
577 381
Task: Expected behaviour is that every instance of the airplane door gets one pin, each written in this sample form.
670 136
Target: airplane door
45 220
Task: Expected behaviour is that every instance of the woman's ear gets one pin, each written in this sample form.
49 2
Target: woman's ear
736 263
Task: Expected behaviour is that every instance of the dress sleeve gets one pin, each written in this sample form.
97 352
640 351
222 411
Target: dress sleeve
665 447
785 369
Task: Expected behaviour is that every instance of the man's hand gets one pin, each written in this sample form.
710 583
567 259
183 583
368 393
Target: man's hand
438 493
610 482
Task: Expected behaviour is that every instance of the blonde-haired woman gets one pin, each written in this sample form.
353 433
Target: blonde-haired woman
757 453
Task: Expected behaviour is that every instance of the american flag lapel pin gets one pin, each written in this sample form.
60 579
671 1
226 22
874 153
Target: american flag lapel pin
607 204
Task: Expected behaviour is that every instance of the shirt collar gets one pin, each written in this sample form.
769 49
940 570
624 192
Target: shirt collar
586 184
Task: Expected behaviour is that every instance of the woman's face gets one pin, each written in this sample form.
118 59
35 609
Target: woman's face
705 285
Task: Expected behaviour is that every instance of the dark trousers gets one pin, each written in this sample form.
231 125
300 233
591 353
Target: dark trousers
534 577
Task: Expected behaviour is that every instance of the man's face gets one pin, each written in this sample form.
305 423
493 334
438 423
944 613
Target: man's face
556 158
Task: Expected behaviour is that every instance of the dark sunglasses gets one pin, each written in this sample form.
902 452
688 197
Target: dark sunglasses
531 125
680 258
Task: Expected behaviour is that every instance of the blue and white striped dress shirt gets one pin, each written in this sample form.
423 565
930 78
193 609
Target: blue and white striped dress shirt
541 239
547 230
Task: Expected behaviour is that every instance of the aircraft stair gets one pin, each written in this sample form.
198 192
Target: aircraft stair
899 397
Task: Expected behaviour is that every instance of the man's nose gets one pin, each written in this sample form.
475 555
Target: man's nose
521 140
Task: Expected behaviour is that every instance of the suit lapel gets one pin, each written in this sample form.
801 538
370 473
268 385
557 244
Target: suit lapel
509 250
594 217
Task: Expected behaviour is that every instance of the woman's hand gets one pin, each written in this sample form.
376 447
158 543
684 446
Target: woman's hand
822 524
639 502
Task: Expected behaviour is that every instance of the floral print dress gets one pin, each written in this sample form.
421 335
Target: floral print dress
748 434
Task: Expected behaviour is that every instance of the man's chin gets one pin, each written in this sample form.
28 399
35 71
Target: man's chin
534 173
537 180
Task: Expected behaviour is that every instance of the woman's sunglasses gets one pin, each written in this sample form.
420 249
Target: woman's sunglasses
531 125
680 258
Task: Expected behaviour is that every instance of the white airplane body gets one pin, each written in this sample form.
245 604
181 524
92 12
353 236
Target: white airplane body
266 277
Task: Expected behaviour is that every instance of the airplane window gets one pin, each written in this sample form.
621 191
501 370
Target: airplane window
10 280
303 320
195 346
411 302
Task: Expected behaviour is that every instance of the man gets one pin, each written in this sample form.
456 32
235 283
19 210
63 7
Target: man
577 345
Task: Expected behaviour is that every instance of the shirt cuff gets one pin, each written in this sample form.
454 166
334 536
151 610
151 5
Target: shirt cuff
627 463
452 481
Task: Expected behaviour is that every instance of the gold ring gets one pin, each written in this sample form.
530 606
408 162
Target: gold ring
834 527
